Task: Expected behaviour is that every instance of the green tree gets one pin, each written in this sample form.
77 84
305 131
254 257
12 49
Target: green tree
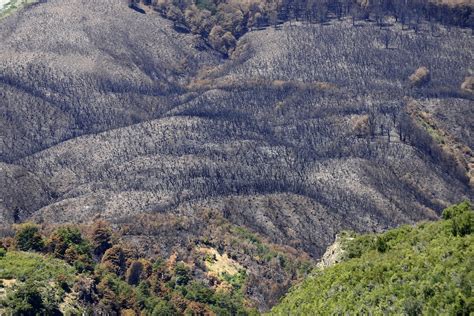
67 237
163 308
28 237
68 244
461 217
199 292
381 244
183 275
27 299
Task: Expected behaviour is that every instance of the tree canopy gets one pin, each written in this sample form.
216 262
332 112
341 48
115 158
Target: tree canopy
412 270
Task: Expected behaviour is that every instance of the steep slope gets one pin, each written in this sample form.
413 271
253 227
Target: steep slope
252 135
106 66
301 134
421 270
442 120
227 270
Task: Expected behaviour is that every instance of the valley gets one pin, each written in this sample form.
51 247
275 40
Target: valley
294 133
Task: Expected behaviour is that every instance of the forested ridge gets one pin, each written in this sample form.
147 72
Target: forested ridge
415 269
91 269
221 23
412 270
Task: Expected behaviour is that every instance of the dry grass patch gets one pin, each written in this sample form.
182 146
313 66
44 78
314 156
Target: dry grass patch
420 77
220 264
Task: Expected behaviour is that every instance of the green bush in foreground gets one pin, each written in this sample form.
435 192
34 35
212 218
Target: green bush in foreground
28 237
63 279
38 283
24 266
32 299
425 269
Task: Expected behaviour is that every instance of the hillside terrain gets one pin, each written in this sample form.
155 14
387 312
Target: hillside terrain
298 131
91 270
220 23
412 270
422 269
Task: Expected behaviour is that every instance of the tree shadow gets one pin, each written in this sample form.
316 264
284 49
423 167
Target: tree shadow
136 8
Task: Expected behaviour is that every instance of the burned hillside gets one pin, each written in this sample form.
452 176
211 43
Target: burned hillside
305 130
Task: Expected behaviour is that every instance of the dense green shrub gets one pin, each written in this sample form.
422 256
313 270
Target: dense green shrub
28 237
34 267
462 218
65 238
425 269
182 274
67 243
32 299
163 308
229 304
199 292
25 300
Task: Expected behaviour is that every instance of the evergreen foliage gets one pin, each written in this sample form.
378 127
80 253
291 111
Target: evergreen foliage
28 237
30 266
27 300
38 283
426 269
67 243
118 282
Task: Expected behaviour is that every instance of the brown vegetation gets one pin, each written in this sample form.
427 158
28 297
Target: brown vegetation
300 134
468 84
222 22
420 77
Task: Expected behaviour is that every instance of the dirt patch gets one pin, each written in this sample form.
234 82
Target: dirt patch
220 264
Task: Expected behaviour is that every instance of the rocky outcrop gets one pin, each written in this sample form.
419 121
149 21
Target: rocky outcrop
334 254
